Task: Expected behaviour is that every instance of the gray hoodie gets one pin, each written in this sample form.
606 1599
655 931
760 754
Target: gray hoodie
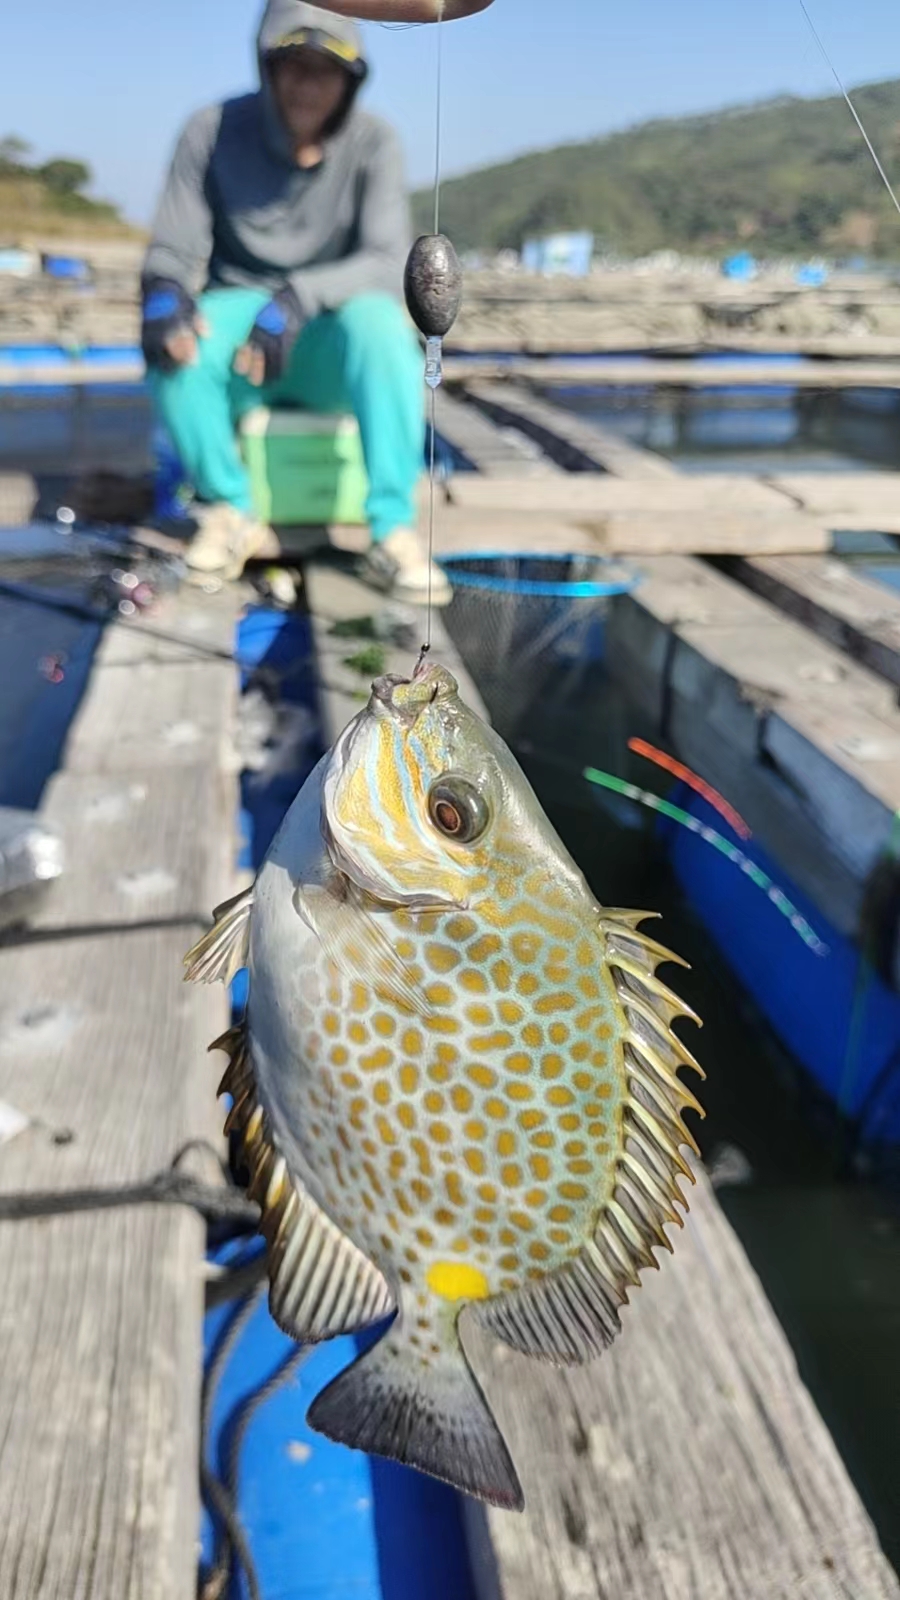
237 210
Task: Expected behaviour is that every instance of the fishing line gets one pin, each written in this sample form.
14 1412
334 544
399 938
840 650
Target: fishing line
438 105
853 111
693 781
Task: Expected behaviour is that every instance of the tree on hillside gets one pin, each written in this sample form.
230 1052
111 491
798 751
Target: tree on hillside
13 151
65 177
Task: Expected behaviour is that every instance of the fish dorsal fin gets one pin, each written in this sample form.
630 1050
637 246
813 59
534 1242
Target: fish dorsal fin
572 1313
224 948
353 936
320 1283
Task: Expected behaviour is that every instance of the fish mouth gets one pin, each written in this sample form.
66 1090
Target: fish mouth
407 697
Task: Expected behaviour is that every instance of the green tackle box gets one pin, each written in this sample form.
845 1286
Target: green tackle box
304 467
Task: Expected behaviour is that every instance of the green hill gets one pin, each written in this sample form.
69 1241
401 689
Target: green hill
48 198
787 175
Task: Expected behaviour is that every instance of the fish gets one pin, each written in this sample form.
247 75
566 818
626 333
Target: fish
455 1083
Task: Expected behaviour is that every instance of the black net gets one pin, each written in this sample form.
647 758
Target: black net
529 625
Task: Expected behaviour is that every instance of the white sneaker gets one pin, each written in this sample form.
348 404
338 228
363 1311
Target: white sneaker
226 540
399 566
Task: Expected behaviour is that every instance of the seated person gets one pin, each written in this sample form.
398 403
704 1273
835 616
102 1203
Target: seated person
287 208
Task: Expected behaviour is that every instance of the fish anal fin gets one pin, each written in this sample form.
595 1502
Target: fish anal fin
432 1417
566 1317
223 949
320 1283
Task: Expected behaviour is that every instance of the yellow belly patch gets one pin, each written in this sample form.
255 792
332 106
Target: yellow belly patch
456 1280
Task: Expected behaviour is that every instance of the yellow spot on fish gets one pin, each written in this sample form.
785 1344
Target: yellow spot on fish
551 1065
506 1143
440 1023
510 1174
487 1043
501 973
422 1191
459 929
440 1133
434 1101
358 1032
559 1095
535 1197
405 949
495 1108
338 1055
474 1160
596 1129
525 947
411 1042
540 1166
331 1022
382 1092
472 981
409 1078
538 1250
532 1035
488 1193
531 1119
439 994
582 1080
444 1217
480 1015
577 1167
528 984
385 1132
589 988
580 1050
510 1012
560 1001
483 1076
522 1221
484 1213
384 1024
510 1262
359 997
559 1235
573 1191
377 1060
518 1061
350 1080
485 947
457 1280
453 1186
423 1155
544 1140
461 1097
441 958
570 1121
480 1236
424 1236
575 1147
406 1116
461 1245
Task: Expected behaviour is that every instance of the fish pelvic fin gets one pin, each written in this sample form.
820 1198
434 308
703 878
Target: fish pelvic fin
224 948
431 1417
572 1313
320 1282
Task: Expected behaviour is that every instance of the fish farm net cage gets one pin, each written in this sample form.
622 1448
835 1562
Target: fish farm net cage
528 626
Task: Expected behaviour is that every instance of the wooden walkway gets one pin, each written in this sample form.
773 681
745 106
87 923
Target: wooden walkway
104 1048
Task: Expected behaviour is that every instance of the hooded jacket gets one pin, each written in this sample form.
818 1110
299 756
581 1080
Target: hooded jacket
236 210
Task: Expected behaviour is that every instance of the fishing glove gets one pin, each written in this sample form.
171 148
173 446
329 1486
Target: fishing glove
167 309
275 331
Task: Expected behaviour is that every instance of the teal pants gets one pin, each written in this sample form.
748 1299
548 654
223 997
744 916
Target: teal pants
362 358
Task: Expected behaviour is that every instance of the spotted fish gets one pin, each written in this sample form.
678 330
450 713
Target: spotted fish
456 1081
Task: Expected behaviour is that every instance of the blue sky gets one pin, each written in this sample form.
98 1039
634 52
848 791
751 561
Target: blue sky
110 81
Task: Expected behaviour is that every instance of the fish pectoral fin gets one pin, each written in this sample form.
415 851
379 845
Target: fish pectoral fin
432 1417
353 938
320 1283
224 948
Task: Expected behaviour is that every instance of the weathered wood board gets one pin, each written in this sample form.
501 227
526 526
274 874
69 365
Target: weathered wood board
847 609
688 1463
653 372
575 442
581 494
490 449
104 1048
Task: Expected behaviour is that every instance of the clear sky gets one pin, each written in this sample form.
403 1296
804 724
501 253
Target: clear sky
110 81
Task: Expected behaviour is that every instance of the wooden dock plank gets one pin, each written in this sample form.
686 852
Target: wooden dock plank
851 612
690 1462
589 493
575 442
490 449
104 1047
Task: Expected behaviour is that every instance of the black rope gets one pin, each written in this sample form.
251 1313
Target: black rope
220 1502
214 1202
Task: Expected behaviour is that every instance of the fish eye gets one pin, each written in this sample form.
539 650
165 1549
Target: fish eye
457 810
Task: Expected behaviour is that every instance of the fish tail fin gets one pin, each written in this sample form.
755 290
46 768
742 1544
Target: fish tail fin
431 1417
